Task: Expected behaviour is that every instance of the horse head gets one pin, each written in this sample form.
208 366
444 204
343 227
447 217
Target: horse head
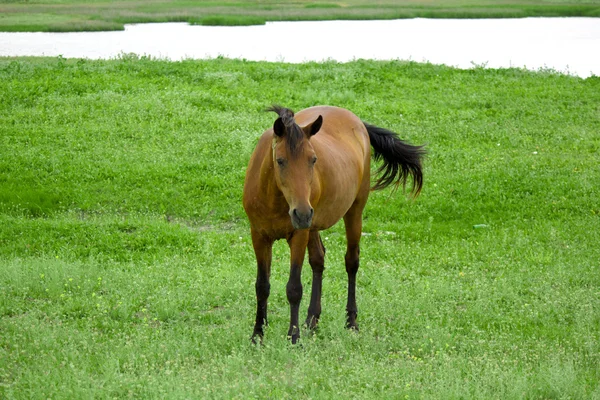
294 161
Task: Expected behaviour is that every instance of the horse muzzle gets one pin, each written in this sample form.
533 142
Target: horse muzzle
302 219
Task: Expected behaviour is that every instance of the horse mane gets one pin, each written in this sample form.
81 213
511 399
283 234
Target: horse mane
294 134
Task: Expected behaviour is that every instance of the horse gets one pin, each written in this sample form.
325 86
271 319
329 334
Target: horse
307 172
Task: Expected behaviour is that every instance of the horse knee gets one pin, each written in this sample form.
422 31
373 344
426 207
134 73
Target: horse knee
263 289
352 261
317 263
294 292
352 267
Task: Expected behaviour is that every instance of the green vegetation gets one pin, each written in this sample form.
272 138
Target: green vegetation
126 268
79 15
230 20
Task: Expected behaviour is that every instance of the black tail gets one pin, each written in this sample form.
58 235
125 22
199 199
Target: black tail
400 159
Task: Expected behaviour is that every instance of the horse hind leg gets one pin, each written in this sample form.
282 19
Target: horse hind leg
353 224
316 258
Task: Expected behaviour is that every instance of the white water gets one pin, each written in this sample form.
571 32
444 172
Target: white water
570 45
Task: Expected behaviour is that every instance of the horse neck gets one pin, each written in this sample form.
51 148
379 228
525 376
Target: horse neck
267 184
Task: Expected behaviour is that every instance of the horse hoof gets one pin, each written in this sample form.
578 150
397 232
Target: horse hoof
257 335
294 338
294 335
312 323
352 325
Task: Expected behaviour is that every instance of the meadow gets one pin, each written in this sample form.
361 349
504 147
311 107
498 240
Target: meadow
126 268
95 15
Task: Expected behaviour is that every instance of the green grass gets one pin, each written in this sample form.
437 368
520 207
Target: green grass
126 268
81 15
230 20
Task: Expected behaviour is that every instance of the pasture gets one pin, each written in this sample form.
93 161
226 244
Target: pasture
96 15
126 267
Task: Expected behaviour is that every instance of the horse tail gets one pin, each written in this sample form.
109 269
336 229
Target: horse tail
400 160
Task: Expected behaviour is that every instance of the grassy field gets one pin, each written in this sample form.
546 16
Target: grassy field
93 15
126 267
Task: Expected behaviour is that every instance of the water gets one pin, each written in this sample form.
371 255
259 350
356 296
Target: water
569 45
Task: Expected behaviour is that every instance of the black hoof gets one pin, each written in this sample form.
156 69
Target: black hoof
352 327
294 334
312 322
351 322
257 337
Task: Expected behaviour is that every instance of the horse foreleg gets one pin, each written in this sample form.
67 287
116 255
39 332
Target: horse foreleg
263 250
353 223
297 244
316 258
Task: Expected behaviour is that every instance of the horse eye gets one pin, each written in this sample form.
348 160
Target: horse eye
280 162
314 159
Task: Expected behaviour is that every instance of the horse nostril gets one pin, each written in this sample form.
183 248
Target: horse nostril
302 216
301 219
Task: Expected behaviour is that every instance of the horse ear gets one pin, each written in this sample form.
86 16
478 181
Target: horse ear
279 127
314 127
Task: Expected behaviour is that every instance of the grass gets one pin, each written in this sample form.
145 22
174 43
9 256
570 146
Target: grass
230 20
79 15
126 268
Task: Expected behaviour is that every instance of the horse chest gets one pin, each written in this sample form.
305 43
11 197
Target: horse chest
269 217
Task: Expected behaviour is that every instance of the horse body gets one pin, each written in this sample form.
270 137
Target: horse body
306 173
338 148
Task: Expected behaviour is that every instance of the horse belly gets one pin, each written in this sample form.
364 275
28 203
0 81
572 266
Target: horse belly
329 213
337 195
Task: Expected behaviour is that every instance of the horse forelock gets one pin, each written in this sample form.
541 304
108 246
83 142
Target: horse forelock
294 134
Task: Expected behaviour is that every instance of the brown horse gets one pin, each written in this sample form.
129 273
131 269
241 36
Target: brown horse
306 173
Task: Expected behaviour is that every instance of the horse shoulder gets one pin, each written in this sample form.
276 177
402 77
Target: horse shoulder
252 181
263 202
